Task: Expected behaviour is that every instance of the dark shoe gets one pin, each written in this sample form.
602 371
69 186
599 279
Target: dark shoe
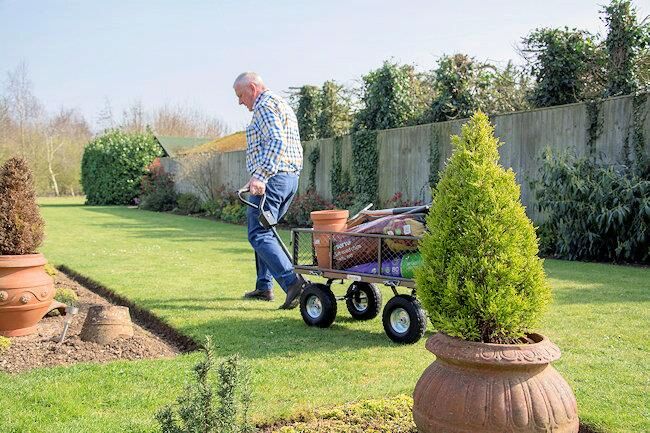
262 295
293 294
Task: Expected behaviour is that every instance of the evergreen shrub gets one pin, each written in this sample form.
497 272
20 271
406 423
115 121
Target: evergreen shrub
481 278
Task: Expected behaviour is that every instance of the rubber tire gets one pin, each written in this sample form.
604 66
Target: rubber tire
418 319
327 301
374 300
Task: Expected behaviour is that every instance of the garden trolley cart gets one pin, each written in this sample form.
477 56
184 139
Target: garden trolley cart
374 260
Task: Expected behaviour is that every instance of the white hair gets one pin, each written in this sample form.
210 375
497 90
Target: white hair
248 77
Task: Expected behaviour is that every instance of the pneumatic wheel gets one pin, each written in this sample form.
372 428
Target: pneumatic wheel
318 305
404 319
363 300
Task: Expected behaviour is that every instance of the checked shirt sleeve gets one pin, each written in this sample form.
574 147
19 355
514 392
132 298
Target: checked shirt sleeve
271 128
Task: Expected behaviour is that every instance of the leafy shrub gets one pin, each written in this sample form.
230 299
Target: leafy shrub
480 279
222 197
67 296
211 207
157 192
196 409
594 210
21 225
5 343
113 164
302 206
234 213
51 270
188 203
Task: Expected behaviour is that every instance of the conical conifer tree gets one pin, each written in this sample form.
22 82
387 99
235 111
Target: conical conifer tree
481 278
21 225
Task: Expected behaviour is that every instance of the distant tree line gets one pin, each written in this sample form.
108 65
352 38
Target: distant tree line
560 66
53 143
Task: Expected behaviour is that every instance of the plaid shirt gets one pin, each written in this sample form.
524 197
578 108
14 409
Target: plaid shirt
272 138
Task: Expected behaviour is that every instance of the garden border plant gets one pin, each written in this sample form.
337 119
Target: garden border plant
27 290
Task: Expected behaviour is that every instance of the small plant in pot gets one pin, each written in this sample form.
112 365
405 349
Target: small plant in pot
484 289
26 289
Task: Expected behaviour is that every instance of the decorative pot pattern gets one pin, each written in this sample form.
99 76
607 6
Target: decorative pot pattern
481 387
26 293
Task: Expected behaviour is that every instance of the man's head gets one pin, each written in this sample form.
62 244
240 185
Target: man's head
248 86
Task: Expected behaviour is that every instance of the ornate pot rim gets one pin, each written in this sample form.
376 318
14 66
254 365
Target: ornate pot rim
22 261
451 349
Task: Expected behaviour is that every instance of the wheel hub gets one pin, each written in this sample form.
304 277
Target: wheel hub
314 307
360 301
400 320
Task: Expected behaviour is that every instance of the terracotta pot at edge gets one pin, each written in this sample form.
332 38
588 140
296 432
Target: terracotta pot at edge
482 387
26 293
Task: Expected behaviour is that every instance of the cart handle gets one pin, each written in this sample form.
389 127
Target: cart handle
245 190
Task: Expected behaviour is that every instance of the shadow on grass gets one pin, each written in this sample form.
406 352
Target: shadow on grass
61 205
264 337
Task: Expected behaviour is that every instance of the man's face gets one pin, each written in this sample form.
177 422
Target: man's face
246 94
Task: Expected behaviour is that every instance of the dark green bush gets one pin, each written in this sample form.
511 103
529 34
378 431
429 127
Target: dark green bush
298 214
113 165
188 203
21 225
209 407
158 193
480 279
594 210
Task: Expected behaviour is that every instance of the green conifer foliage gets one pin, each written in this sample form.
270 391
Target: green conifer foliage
481 278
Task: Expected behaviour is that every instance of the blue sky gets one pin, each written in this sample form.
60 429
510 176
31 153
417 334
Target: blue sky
189 52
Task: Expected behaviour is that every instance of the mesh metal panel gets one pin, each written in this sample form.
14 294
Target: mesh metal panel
356 253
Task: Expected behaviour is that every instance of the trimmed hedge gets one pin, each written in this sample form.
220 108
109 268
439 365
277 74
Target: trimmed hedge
113 165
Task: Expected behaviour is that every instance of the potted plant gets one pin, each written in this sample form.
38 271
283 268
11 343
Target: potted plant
484 289
26 290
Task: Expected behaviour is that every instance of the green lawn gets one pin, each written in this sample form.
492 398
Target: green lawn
192 272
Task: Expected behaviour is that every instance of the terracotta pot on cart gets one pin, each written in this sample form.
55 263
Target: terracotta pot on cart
26 293
327 220
483 387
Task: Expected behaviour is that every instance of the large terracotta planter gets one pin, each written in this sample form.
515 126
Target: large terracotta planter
497 388
26 293
327 220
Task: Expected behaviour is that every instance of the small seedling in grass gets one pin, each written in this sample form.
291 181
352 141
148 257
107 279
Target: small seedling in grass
196 409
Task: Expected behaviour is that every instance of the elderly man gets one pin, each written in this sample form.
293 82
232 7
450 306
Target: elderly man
274 161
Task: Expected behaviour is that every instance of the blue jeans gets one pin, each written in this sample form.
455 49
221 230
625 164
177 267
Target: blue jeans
270 260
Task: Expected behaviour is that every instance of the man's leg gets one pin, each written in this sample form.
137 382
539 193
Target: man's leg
279 192
264 285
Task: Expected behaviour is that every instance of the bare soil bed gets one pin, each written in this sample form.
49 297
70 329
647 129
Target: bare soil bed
41 349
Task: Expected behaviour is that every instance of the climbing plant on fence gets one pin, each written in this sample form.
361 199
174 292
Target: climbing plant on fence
308 112
314 157
364 167
340 178
335 116
626 40
434 157
391 98
560 59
